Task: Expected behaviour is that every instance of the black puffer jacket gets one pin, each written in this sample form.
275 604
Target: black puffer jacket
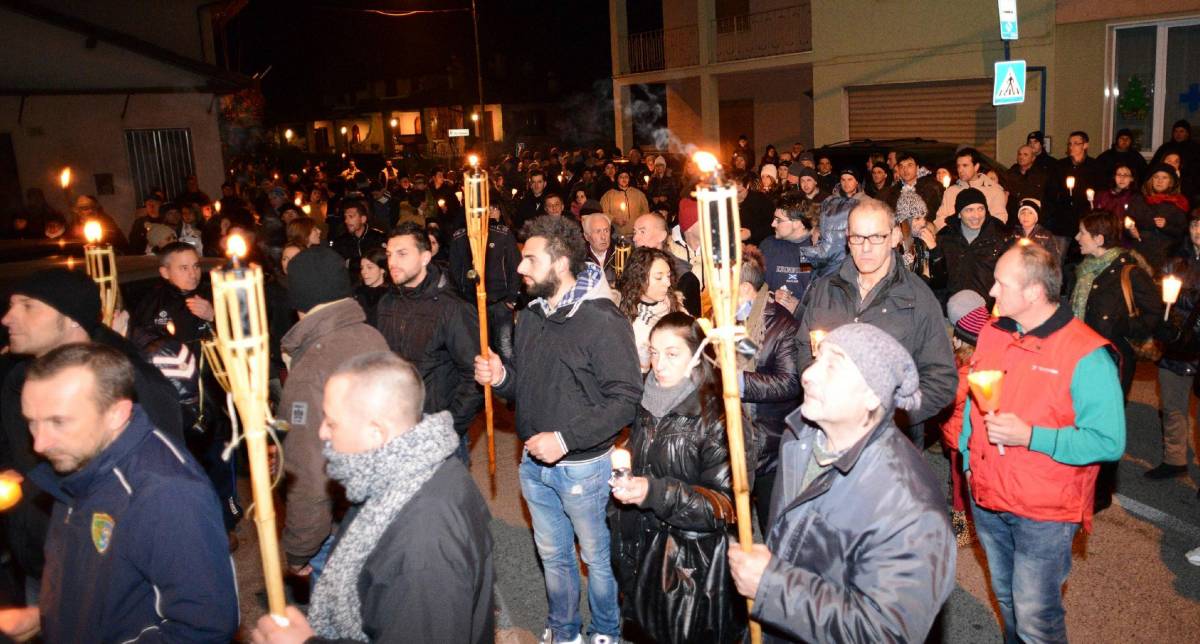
773 388
1157 244
670 552
1108 315
433 328
970 265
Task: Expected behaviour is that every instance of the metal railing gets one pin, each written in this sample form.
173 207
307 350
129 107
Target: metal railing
767 33
663 48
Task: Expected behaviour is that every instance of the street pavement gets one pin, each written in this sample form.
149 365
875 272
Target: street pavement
1129 581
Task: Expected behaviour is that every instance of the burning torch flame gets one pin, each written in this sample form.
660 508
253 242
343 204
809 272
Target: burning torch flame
92 231
65 178
235 246
10 490
705 161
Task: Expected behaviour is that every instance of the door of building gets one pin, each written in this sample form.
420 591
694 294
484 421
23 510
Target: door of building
958 111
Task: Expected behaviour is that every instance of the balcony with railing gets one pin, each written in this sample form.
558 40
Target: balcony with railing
786 30
663 48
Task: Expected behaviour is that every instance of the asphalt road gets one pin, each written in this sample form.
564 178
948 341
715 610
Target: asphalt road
1129 581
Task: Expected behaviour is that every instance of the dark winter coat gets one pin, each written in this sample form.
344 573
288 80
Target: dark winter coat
757 211
865 553
971 265
1026 185
904 307
772 390
502 282
1043 237
1180 353
318 345
1158 244
166 303
575 372
1108 315
140 521
351 247
430 576
436 330
827 254
670 551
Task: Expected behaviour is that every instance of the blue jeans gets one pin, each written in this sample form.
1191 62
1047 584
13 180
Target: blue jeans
319 560
1029 562
565 502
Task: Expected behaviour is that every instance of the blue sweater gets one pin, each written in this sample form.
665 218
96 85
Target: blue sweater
785 268
136 549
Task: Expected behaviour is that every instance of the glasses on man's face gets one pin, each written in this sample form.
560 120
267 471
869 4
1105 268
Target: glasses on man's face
859 240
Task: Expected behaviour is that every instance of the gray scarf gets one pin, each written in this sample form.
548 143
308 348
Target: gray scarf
659 400
383 480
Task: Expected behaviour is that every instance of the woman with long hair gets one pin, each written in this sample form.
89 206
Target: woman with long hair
648 292
1159 216
671 519
304 232
373 269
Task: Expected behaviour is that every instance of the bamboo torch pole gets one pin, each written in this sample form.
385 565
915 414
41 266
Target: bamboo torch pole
477 203
721 254
101 264
241 341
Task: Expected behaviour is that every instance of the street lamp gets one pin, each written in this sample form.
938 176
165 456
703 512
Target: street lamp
344 130
475 116
395 122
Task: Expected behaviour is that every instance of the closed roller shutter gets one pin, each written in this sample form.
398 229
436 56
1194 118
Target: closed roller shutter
950 111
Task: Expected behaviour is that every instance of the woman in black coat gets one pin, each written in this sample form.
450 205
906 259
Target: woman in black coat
671 519
1098 297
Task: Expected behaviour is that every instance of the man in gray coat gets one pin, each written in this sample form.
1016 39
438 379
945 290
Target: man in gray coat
860 547
874 287
332 329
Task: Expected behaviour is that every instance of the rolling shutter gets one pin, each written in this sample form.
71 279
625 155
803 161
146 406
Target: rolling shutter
950 111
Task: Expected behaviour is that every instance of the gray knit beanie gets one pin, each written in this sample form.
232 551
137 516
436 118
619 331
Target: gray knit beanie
886 366
910 204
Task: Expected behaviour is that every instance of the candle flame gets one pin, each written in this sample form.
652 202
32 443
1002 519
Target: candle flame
92 231
10 491
1090 193
473 160
946 182
514 192
1170 288
1129 223
217 206
441 203
235 246
705 161
65 178
299 202
986 387
307 209
288 134
170 327
1070 183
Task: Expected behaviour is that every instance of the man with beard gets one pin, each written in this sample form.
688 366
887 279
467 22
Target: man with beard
425 322
413 560
570 333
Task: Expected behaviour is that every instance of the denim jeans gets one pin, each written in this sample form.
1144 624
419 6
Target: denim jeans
318 561
568 501
1029 562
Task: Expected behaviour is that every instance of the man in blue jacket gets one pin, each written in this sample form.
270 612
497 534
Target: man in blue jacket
136 548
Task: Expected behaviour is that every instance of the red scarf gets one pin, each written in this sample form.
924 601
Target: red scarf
1179 201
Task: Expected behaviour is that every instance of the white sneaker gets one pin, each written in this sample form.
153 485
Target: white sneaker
597 638
548 638
1193 556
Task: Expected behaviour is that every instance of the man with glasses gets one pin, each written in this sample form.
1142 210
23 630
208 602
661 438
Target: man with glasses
1087 173
873 288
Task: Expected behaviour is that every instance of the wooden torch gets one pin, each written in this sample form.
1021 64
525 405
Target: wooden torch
241 341
101 265
721 254
477 203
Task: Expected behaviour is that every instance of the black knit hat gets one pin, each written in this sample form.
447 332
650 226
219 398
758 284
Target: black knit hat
1163 167
967 197
315 276
71 293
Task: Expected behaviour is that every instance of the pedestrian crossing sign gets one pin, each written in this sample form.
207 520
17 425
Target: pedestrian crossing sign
1009 88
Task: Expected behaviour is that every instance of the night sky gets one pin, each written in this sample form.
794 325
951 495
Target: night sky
533 51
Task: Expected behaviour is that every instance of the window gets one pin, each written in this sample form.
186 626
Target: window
160 159
1153 79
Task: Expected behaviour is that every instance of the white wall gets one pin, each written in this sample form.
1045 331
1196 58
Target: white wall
87 134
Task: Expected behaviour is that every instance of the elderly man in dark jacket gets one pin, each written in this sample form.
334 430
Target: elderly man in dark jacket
331 330
413 560
425 322
873 286
971 242
860 548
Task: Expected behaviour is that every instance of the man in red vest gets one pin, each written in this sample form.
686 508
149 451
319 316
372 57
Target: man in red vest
1032 463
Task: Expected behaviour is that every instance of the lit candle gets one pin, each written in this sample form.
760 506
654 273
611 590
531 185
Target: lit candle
217 206
946 182
92 232
307 209
299 202
1170 292
623 207
1071 185
10 490
235 247
815 338
288 134
1090 195
1129 223
514 192
441 203
646 178
985 387
344 130
170 327
64 178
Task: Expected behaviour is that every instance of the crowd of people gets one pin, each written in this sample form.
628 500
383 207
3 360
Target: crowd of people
871 294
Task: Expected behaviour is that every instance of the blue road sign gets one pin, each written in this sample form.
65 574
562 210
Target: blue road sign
1008 19
1009 86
